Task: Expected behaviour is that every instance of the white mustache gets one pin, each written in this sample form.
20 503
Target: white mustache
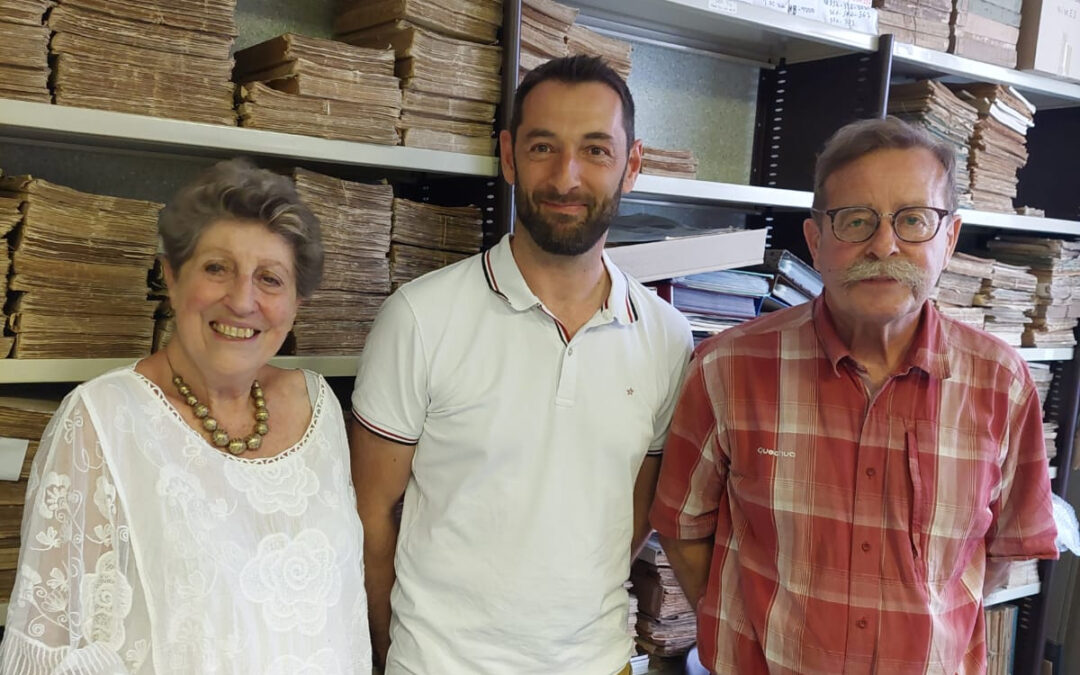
898 269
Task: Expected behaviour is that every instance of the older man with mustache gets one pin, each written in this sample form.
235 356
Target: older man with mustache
842 479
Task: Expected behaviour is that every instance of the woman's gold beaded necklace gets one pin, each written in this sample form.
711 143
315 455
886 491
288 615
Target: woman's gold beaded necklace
219 436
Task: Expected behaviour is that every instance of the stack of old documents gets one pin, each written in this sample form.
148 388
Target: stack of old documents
316 87
924 23
450 85
24 50
986 30
1009 300
10 216
933 106
544 28
426 237
674 163
472 20
1042 376
355 221
999 144
24 420
80 266
1056 265
666 623
616 53
960 282
152 57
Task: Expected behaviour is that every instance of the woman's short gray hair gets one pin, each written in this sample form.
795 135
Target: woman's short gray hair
237 189
861 138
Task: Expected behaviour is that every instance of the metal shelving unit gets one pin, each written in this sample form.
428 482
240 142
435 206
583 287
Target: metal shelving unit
1009 594
43 122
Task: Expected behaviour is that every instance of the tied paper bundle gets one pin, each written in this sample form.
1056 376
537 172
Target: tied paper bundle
10 216
356 221
23 419
986 30
666 622
1056 266
430 65
472 20
166 59
924 23
545 26
427 237
1001 621
998 144
79 272
674 163
411 262
315 87
934 107
616 53
24 50
444 228
1009 299
958 287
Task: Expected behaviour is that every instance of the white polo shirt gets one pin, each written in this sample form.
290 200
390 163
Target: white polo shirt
518 518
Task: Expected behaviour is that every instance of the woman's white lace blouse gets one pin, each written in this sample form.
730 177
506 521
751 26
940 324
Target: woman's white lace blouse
144 550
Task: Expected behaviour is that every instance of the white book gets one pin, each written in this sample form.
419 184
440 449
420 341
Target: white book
655 260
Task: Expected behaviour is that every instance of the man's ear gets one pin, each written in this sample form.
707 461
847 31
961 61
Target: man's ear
812 232
506 156
952 233
633 166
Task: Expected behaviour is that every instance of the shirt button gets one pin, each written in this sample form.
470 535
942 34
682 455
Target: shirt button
570 351
861 623
866 546
870 472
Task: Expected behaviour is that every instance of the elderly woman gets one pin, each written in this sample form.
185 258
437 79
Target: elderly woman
193 513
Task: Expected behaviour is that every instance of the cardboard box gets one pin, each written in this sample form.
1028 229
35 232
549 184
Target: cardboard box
1050 37
990 11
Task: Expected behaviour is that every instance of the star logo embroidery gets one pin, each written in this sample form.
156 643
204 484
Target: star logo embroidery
630 391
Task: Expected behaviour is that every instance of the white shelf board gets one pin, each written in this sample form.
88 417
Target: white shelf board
1007 594
83 126
1042 90
684 190
18 371
1046 353
727 27
680 256
1018 223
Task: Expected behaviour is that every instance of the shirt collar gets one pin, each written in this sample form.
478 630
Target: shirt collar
505 280
928 351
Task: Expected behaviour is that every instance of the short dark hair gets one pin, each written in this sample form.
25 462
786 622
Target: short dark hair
576 70
238 190
860 138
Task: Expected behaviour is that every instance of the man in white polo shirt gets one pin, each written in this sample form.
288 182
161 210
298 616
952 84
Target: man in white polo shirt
519 401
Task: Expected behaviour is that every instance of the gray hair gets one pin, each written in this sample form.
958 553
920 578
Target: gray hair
237 189
860 138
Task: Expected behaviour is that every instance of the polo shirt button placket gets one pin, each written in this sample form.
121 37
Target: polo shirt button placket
861 624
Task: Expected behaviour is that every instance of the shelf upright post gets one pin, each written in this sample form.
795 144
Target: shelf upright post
511 45
1063 405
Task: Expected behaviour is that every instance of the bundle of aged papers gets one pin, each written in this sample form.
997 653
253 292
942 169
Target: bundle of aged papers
78 287
151 57
316 87
24 50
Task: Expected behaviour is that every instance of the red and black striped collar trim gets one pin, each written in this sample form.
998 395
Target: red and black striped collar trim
489 275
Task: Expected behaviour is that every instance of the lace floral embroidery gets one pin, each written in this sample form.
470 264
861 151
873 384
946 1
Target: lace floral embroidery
295 581
321 663
106 597
283 486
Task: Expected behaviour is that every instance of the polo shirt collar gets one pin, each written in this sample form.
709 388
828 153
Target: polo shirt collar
504 278
928 351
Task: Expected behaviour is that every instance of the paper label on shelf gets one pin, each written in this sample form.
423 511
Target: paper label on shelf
12 456
723 6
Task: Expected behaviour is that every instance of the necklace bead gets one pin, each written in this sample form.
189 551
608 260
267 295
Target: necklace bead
218 436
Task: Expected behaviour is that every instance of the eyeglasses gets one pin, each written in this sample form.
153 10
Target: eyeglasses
913 224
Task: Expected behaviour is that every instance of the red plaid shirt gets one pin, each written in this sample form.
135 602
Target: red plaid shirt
852 533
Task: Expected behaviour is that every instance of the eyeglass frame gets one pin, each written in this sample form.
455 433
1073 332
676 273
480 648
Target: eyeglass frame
831 213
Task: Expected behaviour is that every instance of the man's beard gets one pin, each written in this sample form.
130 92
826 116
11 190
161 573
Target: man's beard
557 233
